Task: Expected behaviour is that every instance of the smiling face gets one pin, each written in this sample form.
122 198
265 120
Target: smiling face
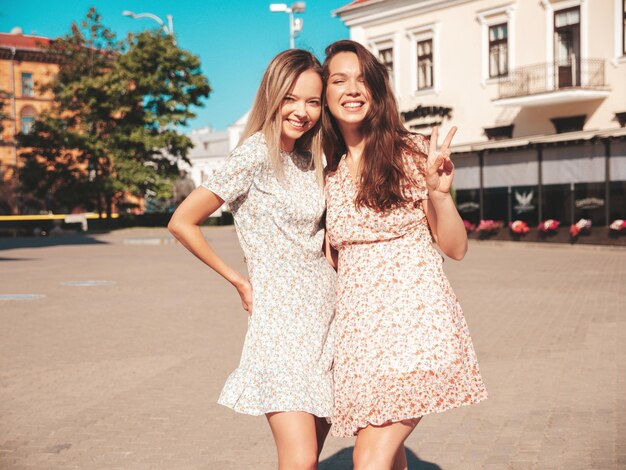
301 108
346 93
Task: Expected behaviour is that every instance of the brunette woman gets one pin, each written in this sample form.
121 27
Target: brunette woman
273 184
403 348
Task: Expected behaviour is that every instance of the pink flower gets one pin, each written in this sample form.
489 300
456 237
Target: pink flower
488 226
519 226
469 227
548 225
582 224
618 225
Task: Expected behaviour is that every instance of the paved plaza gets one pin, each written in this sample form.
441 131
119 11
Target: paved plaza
117 359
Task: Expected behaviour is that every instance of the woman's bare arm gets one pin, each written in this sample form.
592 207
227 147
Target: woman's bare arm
443 218
185 226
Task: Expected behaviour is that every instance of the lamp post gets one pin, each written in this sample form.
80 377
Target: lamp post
295 24
167 29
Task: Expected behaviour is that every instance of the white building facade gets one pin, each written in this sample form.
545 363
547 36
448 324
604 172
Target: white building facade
536 88
210 149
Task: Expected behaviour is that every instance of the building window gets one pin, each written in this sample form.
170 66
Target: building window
569 124
425 64
499 132
498 51
28 88
27 124
27 119
425 68
386 58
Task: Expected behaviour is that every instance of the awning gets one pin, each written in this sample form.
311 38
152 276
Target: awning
539 139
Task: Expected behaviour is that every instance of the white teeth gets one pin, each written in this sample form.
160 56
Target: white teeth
296 123
353 104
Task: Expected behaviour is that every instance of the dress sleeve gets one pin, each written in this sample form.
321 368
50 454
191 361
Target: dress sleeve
235 177
416 164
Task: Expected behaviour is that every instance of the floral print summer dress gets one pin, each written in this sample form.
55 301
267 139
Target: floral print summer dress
287 354
402 347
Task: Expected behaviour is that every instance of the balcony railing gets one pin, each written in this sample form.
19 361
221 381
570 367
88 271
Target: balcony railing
550 77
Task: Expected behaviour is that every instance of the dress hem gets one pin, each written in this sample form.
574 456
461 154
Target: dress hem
256 412
257 393
352 431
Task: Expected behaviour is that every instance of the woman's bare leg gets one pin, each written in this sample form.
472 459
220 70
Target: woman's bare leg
296 436
399 462
377 447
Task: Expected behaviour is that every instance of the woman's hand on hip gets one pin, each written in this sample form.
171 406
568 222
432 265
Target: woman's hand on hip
244 289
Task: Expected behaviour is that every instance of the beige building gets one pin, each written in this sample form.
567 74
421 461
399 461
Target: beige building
537 89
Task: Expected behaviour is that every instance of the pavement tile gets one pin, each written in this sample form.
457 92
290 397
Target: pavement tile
126 375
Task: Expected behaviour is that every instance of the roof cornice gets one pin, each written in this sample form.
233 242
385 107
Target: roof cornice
376 11
29 55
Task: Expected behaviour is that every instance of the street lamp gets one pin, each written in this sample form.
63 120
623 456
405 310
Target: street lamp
169 29
295 24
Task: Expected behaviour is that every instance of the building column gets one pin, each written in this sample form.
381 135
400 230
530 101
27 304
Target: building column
509 205
607 180
539 183
481 196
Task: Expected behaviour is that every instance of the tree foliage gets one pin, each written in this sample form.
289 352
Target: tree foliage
112 130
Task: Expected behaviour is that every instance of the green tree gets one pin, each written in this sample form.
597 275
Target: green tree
113 128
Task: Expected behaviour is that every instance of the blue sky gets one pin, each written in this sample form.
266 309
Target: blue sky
235 40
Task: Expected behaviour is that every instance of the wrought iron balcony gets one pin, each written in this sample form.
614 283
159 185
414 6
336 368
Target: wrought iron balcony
548 83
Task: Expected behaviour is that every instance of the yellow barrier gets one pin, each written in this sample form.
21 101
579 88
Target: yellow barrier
88 215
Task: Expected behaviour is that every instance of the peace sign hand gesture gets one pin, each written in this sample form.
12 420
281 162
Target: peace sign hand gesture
439 166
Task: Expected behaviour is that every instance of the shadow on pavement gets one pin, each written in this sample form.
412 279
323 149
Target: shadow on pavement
342 460
40 242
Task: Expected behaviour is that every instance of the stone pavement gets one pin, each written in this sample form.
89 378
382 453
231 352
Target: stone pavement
125 374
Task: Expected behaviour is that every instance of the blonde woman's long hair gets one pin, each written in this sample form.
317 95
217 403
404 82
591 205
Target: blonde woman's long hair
265 116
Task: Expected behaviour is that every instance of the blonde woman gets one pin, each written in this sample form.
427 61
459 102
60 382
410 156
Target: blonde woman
273 184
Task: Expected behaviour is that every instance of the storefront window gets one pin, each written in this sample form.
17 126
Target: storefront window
524 204
496 203
618 200
468 204
557 203
589 202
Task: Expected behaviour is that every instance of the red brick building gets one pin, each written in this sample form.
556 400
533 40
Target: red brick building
24 67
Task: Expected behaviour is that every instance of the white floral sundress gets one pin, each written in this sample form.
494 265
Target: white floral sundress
287 355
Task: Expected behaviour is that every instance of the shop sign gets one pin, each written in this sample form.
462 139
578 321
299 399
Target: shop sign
426 116
524 202
589 203
468 207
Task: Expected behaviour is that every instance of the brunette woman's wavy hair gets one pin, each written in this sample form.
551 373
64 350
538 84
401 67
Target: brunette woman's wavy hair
279 78
383 175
